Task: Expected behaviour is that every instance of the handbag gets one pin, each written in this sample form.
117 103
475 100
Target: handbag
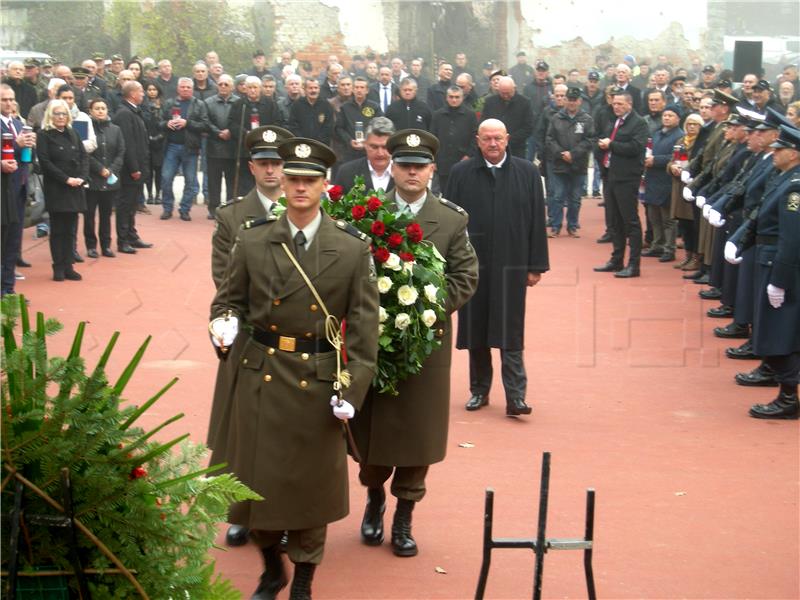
34 203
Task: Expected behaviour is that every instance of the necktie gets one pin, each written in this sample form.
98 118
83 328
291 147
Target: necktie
607 155
385 97
299 244
493 171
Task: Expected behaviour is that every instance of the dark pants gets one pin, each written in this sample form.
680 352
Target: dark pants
153 185
303 545
11 247
515 380
786 367
686 228
623 209
217 169
102 202
62 240
246 181
126 214
408 483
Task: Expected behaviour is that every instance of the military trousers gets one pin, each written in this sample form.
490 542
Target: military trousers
303 545
408 483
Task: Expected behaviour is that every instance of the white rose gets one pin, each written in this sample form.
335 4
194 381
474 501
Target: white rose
402 320
393 262
380 328
384 284
407 295
430 292
428 317
382 315
408 266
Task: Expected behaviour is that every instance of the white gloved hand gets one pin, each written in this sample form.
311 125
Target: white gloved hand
342 409
700 201
730 253
706 209
687 194
223 331
776 295
715 218
686 177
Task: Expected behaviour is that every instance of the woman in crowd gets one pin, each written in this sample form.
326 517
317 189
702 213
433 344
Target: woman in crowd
793 113
135 67
104 166
679 208
86 131
65 170
152 115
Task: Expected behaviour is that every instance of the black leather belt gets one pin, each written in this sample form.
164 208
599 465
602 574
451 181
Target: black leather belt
767 240
291 344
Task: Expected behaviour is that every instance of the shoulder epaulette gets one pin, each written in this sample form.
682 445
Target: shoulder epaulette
351 229
250 223
452 205
225 203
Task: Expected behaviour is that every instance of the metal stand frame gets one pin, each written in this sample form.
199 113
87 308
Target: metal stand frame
541 544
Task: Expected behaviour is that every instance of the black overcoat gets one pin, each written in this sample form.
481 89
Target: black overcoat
507 228
62 156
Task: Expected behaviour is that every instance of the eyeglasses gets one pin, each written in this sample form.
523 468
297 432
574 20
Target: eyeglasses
697 98
60 114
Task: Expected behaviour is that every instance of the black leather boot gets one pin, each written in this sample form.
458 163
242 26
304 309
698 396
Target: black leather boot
402 542
372 523
273 579
785 406
301 583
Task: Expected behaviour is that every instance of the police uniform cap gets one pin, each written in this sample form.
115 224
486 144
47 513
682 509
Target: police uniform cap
521 53
263 142
306 157
542 66
724 83
789 137
98 56
677 78
593 76
117 57
500 72
735 119
413 146
31 62
774 120
573 93
709 69
488 65
750 117
80 72
723 98
762 84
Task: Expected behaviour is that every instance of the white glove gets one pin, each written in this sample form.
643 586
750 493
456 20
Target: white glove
776 295
715 218
342 409
706 209
687 194
686 177
223 331
730 253
700 201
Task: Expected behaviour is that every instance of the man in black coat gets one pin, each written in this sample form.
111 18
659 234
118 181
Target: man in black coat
407 112
353 120
375 167
456 127
504 198
220 149
514 110
384 92
623 157
135 167
24 92
438 91
310 116
624 83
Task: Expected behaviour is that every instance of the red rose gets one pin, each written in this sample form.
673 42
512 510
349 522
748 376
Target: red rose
395 240
406 256
374 203
381 255
378 228
137 473
335 192
414 232
358 212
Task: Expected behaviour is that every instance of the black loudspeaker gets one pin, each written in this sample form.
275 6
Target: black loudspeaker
747 59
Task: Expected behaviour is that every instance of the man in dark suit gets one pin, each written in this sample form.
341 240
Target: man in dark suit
514 110
456 126
623 157
624 83
384 92
375 167
353 119
408 112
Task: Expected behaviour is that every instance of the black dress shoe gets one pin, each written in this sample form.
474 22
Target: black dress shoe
516 407
653 252
165 215
761 376
77 257
693 275
185 216
58 275
604 239
23 263
627 272
723 311
237 535
710 294
402 542
477 401
743 352
704 279
667 257
107 252
72 275
126 249
733 330
785 406
372 523
140 244
609 267
92 253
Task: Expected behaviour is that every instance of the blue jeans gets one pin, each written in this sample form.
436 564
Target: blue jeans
566 192
204 166
176 157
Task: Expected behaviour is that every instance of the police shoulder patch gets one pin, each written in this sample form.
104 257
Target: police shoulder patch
351 229
793 202
452 205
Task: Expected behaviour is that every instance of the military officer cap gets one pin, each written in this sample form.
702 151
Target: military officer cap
413 146
46 62
709 69
306 157
773 120
677 78
593 76
723 98
117 57
30 63
80 72
500 72
735 119
789 137
542 66
763 85
573 93
98 56
750 118
263 142
724 84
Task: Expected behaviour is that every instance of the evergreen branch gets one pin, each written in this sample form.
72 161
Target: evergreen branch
150 434
165 484
128 372
144 458
139 411
25 316
77 341
101 364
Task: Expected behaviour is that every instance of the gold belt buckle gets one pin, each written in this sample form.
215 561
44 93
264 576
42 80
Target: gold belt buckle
287 344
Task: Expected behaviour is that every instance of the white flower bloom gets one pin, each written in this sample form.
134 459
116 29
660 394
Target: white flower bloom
393 262
380 328
402 320
382 315
428 317
407 295
430 292
384 284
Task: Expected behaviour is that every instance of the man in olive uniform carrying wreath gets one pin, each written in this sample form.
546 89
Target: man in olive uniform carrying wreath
286 275
400 436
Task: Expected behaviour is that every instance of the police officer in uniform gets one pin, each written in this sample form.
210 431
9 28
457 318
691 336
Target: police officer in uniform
400 436
285 438
775 231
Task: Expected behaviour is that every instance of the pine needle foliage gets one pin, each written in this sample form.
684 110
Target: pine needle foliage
151 503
